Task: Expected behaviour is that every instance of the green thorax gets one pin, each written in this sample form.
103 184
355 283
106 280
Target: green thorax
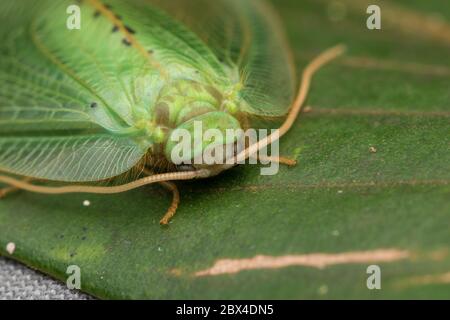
181 100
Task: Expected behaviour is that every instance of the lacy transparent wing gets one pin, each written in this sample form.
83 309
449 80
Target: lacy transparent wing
53 126
71 158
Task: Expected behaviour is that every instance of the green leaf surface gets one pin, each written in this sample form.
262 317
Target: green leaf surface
372 185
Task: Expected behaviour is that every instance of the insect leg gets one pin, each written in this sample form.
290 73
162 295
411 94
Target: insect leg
11 189
7 190
175 202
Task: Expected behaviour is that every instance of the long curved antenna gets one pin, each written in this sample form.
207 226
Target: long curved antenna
105 190
307 75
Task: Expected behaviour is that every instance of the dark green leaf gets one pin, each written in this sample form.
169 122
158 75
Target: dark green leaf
373 174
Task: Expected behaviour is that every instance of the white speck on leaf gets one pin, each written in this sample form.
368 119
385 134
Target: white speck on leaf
323 290
335 233
307 109
86 203
11 247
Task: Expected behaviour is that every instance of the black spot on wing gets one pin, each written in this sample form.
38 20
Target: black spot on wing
130 30
126 42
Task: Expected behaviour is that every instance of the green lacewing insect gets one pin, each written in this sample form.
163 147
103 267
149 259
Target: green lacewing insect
88 105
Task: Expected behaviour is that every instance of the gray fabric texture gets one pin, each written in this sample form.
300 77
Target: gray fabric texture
17 282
